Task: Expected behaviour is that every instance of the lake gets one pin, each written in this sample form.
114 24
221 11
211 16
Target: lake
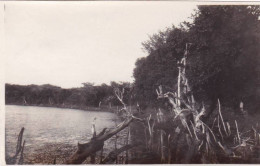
53 129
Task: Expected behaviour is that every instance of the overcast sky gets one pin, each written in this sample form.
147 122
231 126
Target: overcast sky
66 44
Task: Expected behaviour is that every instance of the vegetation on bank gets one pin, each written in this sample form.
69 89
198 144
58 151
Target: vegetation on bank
200 80
223 60
224 63
88 97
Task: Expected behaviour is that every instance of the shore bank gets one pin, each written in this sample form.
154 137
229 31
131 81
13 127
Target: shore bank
84 108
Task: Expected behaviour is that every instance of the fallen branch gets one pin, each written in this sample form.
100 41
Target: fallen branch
96 144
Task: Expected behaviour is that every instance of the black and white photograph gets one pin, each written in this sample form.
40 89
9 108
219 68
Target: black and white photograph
130 82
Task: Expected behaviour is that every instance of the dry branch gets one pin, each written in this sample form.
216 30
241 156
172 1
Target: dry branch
224 126
239 140
21 154
19 142
120 95
219 130
96 144
19 150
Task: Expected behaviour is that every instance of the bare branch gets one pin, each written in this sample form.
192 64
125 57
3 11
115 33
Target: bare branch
239 140
96 144
219 110
19 150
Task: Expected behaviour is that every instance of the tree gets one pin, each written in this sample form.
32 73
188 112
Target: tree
225 53
159 68
223 61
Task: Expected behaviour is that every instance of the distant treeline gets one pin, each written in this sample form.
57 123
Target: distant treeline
89 95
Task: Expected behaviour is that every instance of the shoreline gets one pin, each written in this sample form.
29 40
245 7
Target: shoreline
102 108
59 152
47 153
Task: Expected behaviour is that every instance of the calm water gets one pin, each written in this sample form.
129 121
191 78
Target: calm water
45 125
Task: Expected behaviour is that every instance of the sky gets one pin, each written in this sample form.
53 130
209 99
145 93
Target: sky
69 43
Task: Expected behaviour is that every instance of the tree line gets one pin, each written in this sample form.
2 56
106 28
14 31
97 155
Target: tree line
87 95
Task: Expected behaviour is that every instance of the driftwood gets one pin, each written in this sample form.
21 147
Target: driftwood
19 150
87 149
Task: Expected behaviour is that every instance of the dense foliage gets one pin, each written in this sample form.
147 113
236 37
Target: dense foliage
223 59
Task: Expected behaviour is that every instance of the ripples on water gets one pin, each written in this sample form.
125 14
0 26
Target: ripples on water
45 125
